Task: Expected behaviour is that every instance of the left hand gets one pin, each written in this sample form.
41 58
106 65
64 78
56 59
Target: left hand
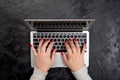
44 60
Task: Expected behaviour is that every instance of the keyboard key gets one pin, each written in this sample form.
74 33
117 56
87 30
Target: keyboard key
58 39
83 36
35 40
57 47
36 44
81 40
55 40
55 43
35 47
85 40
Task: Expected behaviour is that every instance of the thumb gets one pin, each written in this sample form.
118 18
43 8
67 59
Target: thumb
53 54
64 57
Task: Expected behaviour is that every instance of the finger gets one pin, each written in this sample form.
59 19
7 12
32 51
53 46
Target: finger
64 57
40 44
50 47
72 45
68 48
77 45
33 49
43 48
53 55
83 50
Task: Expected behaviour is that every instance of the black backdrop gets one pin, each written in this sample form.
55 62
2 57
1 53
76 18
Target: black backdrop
104 36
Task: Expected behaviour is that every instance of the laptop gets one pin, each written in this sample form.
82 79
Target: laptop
59 30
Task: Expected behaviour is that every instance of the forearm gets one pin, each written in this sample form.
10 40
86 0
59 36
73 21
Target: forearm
82 74
38 75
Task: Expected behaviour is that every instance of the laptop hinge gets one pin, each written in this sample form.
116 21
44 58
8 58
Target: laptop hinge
59 30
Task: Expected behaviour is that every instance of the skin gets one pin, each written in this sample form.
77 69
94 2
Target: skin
43 59
74 59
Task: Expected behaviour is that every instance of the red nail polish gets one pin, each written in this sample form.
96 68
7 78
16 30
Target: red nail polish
62 53
30 45
65 42
41 39
70 39
56 50
85 44
52 40
76 39
47 39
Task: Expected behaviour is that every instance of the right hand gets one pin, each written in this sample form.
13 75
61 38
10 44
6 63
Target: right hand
75 57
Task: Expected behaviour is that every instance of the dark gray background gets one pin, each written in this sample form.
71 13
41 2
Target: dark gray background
104 36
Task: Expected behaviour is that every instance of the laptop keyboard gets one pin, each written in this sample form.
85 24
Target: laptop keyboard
59 38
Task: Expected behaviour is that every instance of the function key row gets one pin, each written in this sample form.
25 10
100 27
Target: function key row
60 24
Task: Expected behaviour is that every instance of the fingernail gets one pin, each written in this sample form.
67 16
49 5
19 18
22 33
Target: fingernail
56 50
76 39
52 40
62 53
47 39
65 42
30 45
85 44
70 39
41 39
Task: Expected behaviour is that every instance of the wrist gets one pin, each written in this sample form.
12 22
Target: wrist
38 75
42 69
77 68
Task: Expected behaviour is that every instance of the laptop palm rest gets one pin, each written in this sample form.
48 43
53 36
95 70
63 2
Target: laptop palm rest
58 61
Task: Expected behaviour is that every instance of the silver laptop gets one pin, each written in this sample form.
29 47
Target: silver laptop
59 30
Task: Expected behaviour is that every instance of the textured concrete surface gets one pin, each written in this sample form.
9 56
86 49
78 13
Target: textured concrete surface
104 36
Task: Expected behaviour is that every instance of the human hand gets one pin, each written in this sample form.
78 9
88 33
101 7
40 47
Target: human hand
44 59
75 57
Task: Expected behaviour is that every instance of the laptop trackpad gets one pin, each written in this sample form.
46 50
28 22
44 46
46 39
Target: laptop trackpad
58 62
